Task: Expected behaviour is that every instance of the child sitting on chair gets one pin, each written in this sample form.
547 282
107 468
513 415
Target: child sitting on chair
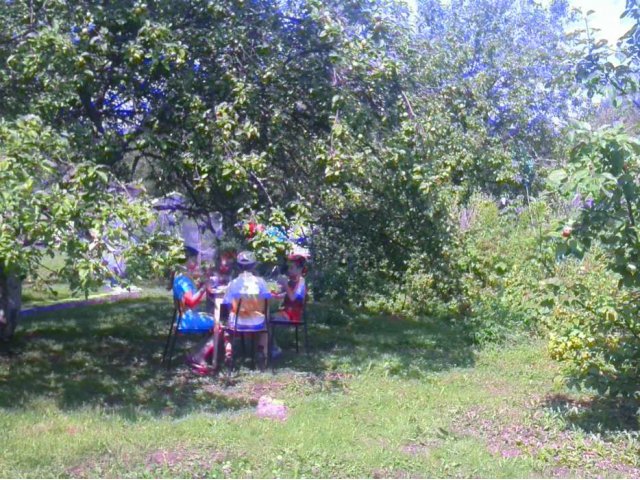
189 297
294 290
245 297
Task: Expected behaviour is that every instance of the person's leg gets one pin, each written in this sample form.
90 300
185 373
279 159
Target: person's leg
279 316
214 359
262 341
203 352
228 349
261 353
200 351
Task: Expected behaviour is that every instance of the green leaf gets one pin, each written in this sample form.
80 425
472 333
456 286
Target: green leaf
557 177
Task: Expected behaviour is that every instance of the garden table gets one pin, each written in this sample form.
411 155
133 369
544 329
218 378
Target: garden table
214 300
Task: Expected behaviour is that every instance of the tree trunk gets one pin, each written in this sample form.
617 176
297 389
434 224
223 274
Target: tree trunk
10 303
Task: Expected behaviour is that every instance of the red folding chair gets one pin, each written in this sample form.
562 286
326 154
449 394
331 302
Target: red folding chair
275 322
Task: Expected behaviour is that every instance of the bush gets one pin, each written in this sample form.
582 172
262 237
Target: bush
504 256
489 273
429 287
593 325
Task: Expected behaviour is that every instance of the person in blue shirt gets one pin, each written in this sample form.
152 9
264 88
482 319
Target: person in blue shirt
188 296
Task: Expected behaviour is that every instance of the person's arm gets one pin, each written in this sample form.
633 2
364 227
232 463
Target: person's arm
264 292
185 290
298 291
191 299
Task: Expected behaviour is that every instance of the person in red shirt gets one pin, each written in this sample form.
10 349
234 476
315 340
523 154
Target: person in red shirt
294 293
294 290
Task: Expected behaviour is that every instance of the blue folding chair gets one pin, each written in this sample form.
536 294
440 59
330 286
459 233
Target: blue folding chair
197 324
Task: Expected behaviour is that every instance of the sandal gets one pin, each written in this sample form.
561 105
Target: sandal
200 369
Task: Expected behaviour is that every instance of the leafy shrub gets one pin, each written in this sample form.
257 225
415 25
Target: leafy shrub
593 325
428 288
488 274
593 321
504 256
604 172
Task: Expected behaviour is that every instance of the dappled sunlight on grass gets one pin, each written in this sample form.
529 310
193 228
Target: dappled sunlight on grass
108 357
356 341
105 357
84 395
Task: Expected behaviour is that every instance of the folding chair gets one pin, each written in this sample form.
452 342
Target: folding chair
174 331
232 330
275 322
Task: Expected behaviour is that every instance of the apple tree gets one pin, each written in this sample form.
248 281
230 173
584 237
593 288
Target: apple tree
54 201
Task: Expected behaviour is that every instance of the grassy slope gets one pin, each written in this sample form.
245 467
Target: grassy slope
50 289
379 397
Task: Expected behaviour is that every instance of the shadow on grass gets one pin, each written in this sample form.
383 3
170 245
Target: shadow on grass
355 340
108 357
597 414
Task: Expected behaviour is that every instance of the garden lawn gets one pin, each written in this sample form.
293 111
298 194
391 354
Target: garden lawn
50 289
83 395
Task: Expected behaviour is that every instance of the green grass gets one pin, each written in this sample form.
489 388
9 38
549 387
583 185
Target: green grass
46 288
84 396
35 296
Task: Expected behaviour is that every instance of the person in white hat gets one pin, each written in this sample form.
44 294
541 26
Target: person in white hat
248 291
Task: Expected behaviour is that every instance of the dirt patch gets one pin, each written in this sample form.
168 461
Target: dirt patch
95 467
506 440
415 449
569 454
390 473
183 459
271 389
179 462
420 449
498 389
562 472
336 376
247 393
603 469
79 471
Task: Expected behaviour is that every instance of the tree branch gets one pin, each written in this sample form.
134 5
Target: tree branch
262 187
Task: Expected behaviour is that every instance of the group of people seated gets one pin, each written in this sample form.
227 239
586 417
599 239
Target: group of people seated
242 307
